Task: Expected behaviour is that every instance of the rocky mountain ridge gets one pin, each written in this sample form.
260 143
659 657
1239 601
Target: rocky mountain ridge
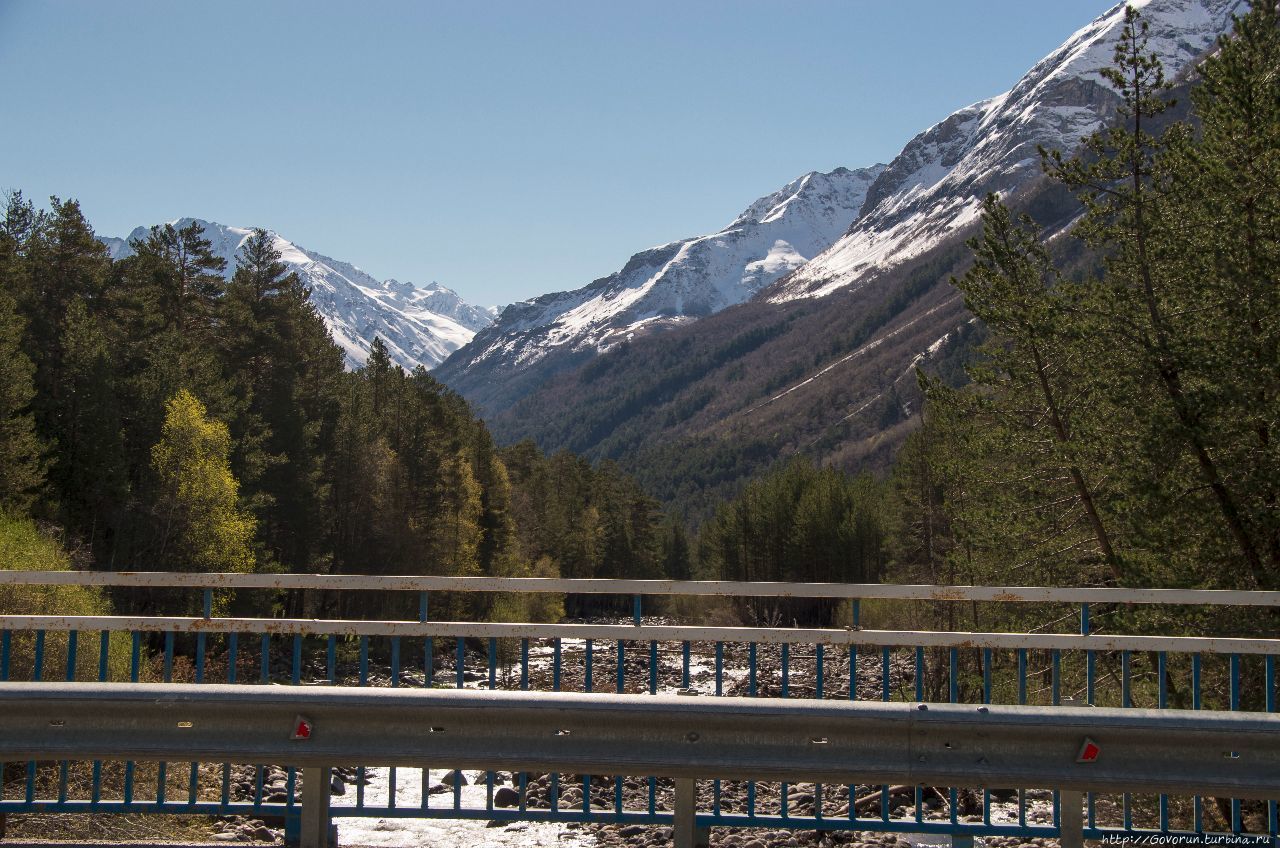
658 288
420 325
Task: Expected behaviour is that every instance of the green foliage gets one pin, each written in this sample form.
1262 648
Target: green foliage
1120 423
24 548
20 449
798 523
201 524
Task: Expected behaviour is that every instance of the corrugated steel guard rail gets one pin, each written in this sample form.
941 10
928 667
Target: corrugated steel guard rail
1232 754
850 663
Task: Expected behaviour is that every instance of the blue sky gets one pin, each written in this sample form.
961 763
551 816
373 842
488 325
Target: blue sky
504 149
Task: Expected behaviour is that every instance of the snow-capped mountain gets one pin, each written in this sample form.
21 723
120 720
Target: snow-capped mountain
677 282
420 325
933 189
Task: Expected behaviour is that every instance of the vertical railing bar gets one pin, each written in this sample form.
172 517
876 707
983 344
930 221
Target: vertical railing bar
37 669
395 662
364 660
1162 688
524 664
986 675
233 648
1055 675
819 656
135 657
169 637
684 673
1089 668
1125 699
719 669
1270 675
884 675
104 649
1162 699
786 670
557 657
460 663
493 668
429 662
265 657
751 669
920 672
853 672
1022 675
635 610
588 684
1236 808
986 699
259 779
953 674
96 795
73 645
620 672
331 658
295 667
6 647
653 667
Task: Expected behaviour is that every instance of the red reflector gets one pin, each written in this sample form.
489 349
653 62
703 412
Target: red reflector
1089 751
301 728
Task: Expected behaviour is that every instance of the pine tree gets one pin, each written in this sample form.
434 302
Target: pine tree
1229 248
1038 407
90 469
21 452
1145 311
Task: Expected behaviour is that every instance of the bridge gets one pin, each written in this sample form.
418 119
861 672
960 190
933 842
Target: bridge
1070 734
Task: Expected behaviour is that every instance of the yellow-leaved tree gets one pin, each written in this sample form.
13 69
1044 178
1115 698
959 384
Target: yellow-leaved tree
202 527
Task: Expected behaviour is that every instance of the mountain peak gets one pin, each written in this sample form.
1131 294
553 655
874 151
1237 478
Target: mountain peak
667 285
420 326
933 188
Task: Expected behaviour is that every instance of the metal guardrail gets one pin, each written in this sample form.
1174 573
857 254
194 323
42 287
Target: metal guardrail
1230 754
703 588
828 665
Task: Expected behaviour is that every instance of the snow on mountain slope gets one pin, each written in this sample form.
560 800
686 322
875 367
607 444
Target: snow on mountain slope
685 279
420 326
934 187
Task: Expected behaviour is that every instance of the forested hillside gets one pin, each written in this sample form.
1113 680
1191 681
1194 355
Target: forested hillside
165 418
